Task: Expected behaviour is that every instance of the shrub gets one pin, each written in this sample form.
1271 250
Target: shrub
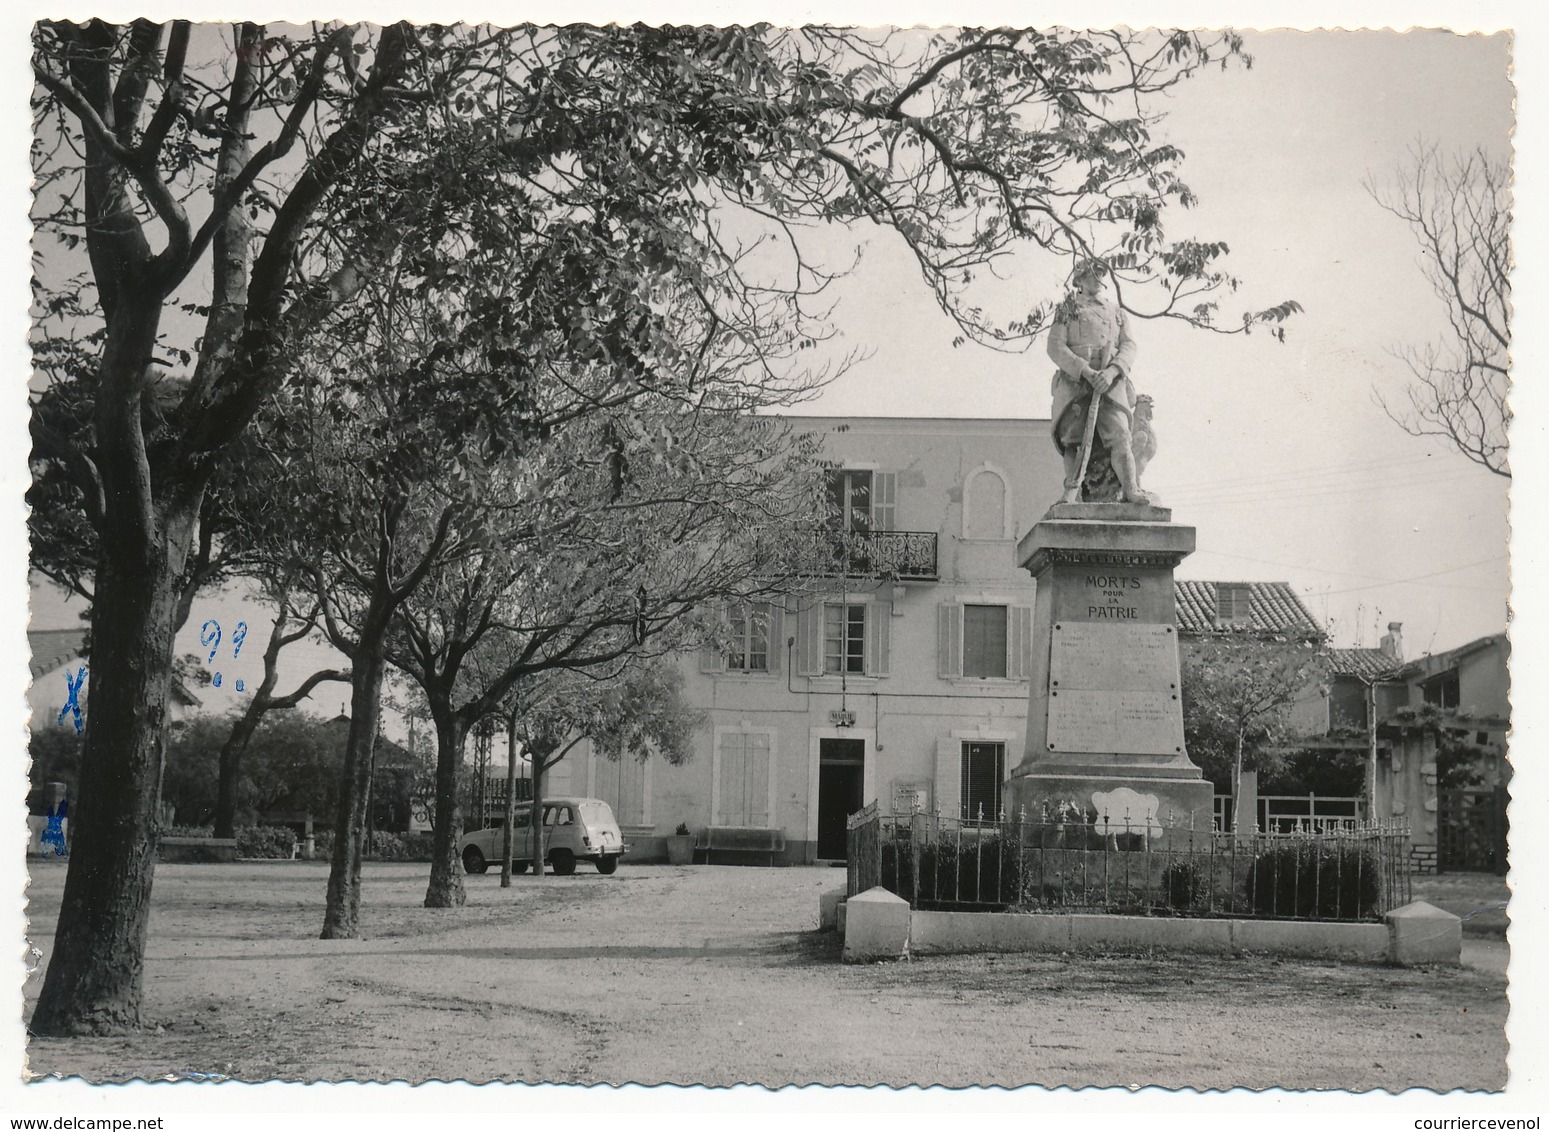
383 846
386 846
1316 879
983 872
266 841
187 831
1186 884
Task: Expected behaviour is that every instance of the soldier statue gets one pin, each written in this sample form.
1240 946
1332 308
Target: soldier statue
1092 347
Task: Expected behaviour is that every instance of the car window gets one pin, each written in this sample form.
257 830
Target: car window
565 816
548 815
596 813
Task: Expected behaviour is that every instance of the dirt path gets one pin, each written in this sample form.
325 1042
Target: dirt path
716 975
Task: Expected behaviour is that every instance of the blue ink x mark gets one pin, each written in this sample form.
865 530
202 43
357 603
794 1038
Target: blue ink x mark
55 834
72 706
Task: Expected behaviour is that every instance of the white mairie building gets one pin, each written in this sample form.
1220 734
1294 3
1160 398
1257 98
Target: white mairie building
911 691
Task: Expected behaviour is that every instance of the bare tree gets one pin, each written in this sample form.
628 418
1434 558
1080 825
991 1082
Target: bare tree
1459 209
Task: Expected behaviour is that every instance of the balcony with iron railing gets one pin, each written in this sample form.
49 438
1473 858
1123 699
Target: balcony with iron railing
906 556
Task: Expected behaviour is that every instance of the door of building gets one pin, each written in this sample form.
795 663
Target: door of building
841 770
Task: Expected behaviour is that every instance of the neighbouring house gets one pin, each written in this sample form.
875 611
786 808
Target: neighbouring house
1424 710
57 699
57 695
910 691
1269 611
1453 703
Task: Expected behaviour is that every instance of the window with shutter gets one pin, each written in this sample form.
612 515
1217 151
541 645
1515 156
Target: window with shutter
984 640
809 640
742 770
949 640
844 638
751 627
984 766
879 633
850 499
884 501
1020 650
1234 603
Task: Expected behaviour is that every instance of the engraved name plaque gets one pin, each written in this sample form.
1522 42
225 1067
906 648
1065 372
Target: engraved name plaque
1113 689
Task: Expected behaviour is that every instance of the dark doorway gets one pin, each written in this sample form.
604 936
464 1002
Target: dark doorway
841 767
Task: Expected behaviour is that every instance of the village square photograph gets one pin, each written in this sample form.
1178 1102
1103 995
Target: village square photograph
771 554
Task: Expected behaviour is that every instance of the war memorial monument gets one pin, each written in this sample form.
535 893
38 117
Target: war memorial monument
1105 713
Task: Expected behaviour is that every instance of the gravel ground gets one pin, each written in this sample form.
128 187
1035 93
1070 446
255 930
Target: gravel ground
717 975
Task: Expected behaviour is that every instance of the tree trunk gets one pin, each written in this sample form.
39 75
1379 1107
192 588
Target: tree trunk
95 975
1237 790
230 772
446 870
540 767
510 822
342 918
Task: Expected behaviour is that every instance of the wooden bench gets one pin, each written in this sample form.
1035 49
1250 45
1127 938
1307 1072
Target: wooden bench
742 839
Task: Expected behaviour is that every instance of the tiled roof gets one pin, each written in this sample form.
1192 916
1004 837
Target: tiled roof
1360 662
1273 607
53 647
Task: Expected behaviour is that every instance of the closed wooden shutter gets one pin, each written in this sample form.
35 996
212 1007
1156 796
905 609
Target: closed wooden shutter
949 640
884 492
776 637
949 773
809 640
711 658
1019 643
879 631
744 779
755 786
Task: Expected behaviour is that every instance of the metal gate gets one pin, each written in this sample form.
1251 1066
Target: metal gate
1471 830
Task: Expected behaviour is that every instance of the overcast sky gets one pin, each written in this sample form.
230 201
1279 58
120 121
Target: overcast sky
1278 454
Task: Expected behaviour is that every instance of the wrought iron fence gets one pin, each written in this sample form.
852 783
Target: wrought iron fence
1345 874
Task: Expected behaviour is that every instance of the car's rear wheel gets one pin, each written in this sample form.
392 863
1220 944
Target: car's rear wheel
518 867
607 866
563 862
473 860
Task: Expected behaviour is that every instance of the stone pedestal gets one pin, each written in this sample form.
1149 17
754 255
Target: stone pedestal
1105 714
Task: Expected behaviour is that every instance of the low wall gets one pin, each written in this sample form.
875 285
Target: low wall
196 850
1417 933
945 933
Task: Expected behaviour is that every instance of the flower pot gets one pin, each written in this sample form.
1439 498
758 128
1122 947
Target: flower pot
680 849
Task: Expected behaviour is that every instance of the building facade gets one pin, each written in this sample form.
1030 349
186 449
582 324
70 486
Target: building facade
910 691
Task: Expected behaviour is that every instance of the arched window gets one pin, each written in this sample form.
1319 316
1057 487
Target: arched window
984 505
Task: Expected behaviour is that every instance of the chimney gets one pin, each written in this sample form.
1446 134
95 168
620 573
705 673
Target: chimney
1393 641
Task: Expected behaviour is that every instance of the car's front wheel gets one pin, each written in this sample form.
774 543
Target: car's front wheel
607 866
473 860
518 867
563 862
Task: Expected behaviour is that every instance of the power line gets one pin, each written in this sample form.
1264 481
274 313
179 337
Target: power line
1420 577
1269 493
1309 473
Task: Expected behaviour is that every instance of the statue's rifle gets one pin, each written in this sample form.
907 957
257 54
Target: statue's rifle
1090 434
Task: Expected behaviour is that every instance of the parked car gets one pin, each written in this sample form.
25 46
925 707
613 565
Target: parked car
574 829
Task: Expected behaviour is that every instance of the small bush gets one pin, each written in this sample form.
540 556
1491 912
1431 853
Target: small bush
387 846
1187 885
384 846
982 872
188 831
266 841
1316 879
